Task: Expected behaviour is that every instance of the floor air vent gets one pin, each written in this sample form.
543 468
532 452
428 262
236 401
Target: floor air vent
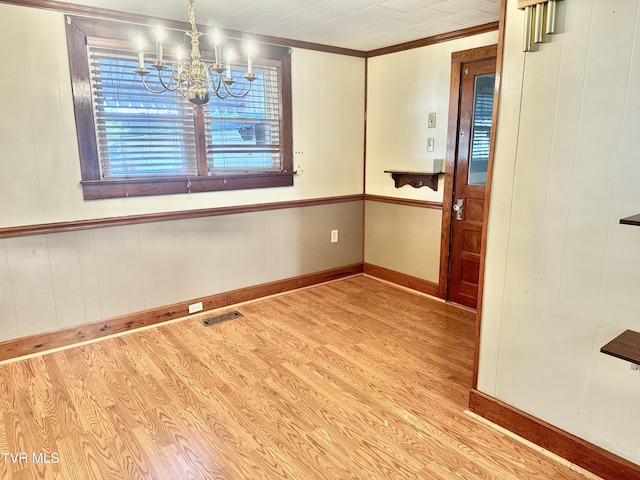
207 322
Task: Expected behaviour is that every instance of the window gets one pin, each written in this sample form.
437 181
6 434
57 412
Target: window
133 142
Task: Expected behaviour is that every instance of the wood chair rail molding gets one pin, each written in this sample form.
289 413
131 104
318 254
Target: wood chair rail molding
71 226
403 201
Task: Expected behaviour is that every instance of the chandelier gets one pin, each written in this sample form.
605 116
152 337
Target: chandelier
192 77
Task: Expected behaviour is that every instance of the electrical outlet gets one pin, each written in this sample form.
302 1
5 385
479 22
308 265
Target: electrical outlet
195 307
334 236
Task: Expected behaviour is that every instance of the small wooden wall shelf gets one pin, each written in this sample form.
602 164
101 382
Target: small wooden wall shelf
625 346
415 179
634 220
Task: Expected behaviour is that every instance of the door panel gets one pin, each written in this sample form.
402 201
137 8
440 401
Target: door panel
474 132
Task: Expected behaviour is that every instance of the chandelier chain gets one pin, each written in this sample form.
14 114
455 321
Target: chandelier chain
191 9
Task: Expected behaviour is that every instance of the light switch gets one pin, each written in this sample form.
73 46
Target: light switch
432 120
430 142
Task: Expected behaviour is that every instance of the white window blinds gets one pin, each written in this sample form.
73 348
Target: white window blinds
143 134
243 134
139 133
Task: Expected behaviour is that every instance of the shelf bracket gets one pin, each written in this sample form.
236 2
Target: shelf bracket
415 179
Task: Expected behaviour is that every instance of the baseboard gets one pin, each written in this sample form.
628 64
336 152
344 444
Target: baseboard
19 347
402 279
574 449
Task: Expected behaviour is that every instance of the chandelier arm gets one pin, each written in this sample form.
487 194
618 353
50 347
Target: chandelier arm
237 95
221 93
215 80
172 78
149 89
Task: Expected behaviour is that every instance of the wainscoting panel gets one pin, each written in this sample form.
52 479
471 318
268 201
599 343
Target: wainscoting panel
8 324
403 238
60 280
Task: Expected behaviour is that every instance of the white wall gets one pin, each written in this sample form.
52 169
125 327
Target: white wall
403 88
38 145
49 282
562 275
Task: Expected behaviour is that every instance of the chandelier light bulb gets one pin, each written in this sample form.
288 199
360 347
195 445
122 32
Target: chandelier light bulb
193 76
140 42
216 44
159 54
250 54
230 56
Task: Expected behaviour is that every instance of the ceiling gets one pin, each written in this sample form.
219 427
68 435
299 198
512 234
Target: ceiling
355 24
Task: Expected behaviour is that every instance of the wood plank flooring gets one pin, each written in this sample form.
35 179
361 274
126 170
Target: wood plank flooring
356 379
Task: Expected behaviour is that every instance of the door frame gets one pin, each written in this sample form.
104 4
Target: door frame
447 199
458 59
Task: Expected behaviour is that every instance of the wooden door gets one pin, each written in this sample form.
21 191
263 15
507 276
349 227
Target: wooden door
467 213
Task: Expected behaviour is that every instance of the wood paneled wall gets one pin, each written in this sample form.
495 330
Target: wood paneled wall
562 276
50 282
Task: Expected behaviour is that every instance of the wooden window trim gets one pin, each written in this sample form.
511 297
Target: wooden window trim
94 187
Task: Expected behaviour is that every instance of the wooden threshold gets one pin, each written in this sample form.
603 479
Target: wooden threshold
20 347
574 449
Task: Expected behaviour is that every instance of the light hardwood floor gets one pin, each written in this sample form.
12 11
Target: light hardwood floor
355 379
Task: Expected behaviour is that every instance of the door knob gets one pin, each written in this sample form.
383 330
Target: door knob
458 208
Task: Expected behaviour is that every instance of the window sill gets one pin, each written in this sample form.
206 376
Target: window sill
140 187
